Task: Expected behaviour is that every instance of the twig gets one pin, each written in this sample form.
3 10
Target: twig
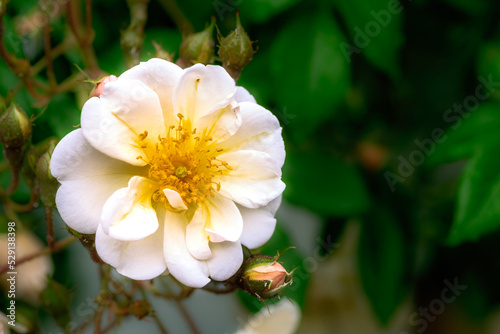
59 245
98 318
178 16
85 43
88 21
189 320
50 228
47 46
160 325
3 51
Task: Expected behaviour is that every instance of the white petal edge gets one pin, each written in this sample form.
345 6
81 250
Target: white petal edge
161 76
260 131
128 214
202 90
139 260
113 122
255 178
242 95
259 224
226 259
181 264
88 178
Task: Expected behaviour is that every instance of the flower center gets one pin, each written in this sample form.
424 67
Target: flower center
183 161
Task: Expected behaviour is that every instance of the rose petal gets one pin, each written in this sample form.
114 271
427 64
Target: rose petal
226 259
113 122
223 124
242 95
128 214
161 76
282 317
181 264
141 260
223 219
259 131
258 224
88 178
202 90
196 236
254 180
175 200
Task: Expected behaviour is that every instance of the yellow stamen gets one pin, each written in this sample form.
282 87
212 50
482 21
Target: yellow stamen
185 162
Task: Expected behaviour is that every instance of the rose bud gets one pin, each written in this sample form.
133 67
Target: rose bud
15 126
236 50
99 87
198 48
264 277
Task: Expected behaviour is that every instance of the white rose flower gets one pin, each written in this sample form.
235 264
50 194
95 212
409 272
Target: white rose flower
172 169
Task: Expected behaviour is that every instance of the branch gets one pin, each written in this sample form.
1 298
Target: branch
59 245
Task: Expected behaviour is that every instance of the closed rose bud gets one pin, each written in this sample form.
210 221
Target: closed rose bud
99 87
15 126
236 50
198 48
264 277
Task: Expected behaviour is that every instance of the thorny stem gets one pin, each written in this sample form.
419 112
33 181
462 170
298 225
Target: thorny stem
185 313
98 318
84 42
88 20
178 16
50 66
55 52
3 51
50 228
59 245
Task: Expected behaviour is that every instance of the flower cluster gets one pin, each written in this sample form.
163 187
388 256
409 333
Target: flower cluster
173 170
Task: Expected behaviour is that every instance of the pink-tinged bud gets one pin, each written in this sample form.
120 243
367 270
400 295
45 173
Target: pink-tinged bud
264 277
236 50
99 88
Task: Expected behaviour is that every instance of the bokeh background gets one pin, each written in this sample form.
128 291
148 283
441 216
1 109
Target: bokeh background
391 116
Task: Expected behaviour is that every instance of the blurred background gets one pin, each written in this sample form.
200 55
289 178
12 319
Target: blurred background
391 118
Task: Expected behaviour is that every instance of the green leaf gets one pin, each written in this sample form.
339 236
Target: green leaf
488 63
261 10
310 72
470 6
382 262
478 204
323 184
468 134
376 30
